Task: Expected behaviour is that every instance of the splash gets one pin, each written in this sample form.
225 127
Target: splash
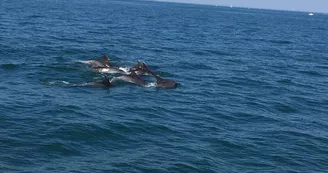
83 62
125 69
107 70
82 84
114 79
150 85
57 82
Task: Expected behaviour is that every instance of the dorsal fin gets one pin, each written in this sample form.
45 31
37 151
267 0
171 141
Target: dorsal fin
106 81
140 64
106 60
145 66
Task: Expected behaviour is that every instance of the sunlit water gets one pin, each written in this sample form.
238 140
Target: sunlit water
252 93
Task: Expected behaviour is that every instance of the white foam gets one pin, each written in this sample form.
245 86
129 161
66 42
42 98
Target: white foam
52 82
125 69
84 84
152 84
107 70
114 79
84 62
57 81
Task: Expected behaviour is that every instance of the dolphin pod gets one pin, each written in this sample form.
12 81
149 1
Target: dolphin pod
132 75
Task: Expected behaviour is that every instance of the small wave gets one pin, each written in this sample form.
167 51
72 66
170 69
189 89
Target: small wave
9 66
90 132
56 82
199 53
63 68
271 41
321 29
285 81
285 108
322 66
280 41
218 52
311 73
198 66
59 148
36 16
3 88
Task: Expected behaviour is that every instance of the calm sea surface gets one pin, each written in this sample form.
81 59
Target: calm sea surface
252 94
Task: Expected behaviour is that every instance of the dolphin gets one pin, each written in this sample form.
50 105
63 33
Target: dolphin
104 83
104 66
140 69
104 62
163 83
132 78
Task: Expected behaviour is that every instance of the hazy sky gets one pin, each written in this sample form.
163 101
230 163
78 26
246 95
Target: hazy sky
298 5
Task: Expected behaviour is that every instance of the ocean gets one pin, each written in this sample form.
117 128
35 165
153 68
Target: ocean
251 97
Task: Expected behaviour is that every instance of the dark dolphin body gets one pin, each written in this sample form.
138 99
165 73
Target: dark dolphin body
165 83
100 63
142 68
132 78
105 83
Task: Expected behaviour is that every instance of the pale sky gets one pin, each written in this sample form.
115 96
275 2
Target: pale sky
297 5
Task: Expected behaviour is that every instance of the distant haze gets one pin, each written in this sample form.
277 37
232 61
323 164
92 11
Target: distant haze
294 5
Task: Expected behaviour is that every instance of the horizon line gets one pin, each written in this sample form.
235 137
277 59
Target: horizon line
229 6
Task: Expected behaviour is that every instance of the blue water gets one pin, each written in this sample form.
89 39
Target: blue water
252 94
